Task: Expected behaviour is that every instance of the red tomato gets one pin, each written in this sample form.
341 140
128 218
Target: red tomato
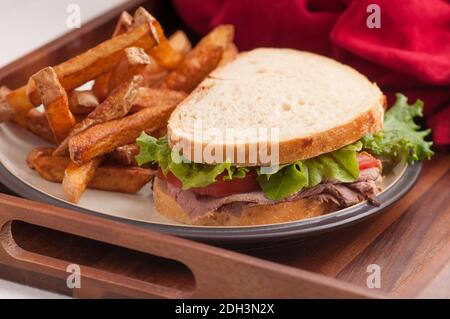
221 187
365 160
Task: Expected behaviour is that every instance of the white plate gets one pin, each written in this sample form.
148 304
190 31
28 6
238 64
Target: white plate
16 143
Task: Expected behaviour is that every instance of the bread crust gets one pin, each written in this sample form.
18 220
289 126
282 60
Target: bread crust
291 150
255 215
300 148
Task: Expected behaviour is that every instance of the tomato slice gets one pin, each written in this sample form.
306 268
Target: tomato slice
223 187
365 160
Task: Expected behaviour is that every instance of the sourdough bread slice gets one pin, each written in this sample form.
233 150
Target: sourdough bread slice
307 103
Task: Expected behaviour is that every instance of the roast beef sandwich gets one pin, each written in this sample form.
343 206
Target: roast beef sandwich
278 135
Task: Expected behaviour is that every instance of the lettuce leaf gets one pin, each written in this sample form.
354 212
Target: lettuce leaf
341 165
152 150
400 136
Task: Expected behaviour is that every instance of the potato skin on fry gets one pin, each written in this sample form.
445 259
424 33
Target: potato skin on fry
198 63
56 103
104 138
101 84
37 123
6 112
163 52
117 105
108 178
82 102
20 104
150 97
77 177
133 61
98 60
125 154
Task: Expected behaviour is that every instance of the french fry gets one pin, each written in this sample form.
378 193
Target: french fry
124 155
50 168
132 62
98 60
154 73
107 178
117 105
55 101
101 84
5 110
38 124
150 97
17 101
198 63
229 54
124 24
82 102
104 138
180 42
163 52
77 177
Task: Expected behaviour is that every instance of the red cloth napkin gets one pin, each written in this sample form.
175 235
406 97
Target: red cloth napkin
409 53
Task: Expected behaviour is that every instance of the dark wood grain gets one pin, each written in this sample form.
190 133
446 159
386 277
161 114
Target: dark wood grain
410 240
404 240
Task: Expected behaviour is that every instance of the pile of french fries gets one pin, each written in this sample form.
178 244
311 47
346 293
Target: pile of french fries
139 76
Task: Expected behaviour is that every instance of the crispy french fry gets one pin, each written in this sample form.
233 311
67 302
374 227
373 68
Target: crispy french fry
38 124
98 60
77 177
132 62
5 110
154 73
50 168
198 63
229 54
55 101
104 138
121 179
180 42
159 132
150 97
163 53
107 178
124 23
82 102
124 155
82 68
19 105
101 84
117 105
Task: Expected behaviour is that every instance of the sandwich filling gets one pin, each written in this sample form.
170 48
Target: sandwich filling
345 176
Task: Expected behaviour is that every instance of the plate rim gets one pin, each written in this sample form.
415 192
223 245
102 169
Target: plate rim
272 232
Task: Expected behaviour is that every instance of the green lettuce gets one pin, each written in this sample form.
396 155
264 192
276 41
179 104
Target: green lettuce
152 150
341 165
400 136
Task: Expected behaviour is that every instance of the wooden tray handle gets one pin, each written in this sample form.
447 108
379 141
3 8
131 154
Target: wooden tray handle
218 273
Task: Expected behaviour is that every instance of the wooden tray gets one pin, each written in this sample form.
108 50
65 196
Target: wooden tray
410 242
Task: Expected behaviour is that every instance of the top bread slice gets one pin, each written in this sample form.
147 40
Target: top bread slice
306 103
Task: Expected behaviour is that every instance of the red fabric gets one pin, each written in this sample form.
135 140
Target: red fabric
410 53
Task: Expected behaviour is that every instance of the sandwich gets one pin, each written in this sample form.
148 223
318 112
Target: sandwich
275 136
